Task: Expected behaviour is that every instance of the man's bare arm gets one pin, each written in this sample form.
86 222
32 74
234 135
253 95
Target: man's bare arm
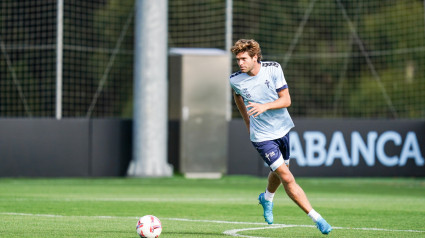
242 108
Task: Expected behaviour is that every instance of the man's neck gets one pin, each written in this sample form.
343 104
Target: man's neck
255 70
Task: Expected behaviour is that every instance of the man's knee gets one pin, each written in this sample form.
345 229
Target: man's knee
285 175
288 179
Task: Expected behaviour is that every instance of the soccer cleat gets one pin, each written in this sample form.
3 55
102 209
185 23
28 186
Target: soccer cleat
267 207
323 226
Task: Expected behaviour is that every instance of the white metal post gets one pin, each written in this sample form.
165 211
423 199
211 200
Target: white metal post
59 58
229 43
150 120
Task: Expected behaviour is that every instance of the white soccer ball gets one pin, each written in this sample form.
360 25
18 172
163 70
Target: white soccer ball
149 227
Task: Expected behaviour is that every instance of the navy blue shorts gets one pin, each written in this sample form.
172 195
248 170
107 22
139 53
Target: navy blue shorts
274 152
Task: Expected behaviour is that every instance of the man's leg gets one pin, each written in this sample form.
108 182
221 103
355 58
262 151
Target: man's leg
273 182
266 198
296 193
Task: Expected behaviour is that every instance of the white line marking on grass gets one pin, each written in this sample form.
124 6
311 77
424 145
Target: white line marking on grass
215 221
233 232
60 216
153 199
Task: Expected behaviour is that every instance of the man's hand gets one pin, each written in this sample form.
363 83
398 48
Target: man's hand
284 100
255 109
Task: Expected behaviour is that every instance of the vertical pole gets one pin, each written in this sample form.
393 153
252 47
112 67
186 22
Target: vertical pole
229 23
229 43
59 58
150 120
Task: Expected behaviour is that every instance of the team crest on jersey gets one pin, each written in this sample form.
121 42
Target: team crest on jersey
267 83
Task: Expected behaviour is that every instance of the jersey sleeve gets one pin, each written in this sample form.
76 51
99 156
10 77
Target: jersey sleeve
234 88
280 80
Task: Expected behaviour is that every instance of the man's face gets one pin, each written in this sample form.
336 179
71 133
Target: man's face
245 62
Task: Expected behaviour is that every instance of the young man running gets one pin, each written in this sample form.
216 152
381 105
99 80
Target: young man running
262 96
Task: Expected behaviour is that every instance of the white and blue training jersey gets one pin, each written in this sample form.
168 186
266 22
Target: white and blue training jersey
263 88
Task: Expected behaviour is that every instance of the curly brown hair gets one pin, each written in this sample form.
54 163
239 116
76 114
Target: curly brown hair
251 46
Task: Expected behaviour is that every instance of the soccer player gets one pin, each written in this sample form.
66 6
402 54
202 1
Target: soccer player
262 96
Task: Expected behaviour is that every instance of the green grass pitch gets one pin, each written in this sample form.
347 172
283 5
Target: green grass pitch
227 207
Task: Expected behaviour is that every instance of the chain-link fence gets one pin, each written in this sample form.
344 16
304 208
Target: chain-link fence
341 58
